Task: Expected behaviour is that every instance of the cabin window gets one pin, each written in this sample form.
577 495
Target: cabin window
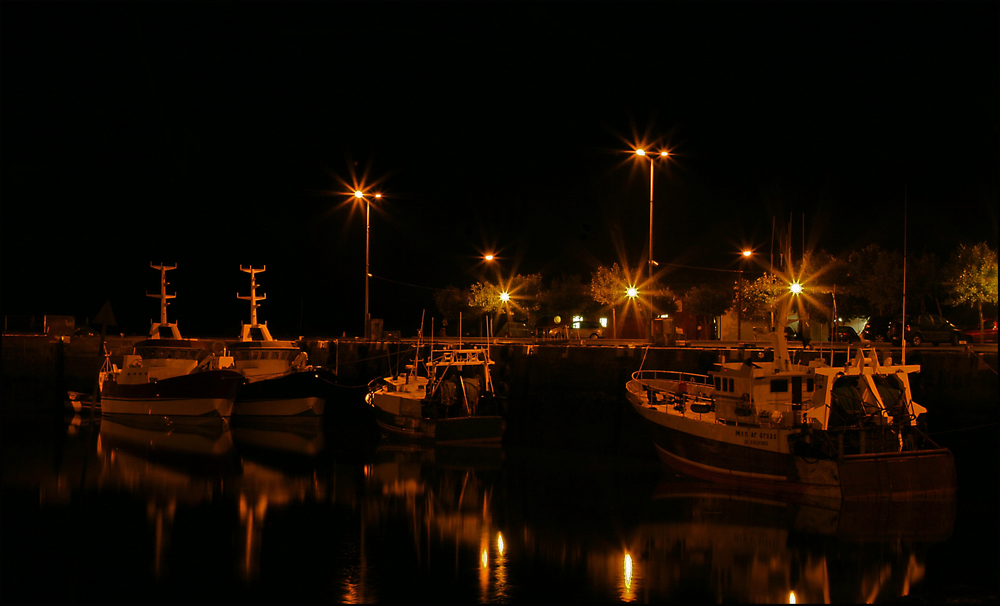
779 385
810 384
732 385
718 383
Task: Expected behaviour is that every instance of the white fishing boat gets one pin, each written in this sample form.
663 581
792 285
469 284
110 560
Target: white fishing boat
446 398
841 432
280 381
169 375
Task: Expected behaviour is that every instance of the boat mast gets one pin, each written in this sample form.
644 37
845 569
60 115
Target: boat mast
245 331
902 324
154 331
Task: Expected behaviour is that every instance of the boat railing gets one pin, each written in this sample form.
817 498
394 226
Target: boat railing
645 376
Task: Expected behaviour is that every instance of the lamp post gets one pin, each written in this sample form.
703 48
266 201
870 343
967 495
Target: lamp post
358 194
651 262
739 298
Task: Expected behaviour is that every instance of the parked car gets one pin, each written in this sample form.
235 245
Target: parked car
576 330
876 329
989 332
924 328
515 330
846 334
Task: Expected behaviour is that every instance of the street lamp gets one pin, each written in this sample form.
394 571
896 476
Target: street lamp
739 297
651 262
359 195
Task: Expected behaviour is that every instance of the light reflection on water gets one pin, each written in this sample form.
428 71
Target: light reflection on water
274 512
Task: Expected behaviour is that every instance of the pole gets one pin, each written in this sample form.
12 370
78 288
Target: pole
652 171
739 309
368 322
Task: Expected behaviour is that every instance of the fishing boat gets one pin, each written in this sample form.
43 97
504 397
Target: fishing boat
816 430
169 375
280 381
447 399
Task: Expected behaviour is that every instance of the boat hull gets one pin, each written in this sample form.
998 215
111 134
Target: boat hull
210 393
296 394
758 459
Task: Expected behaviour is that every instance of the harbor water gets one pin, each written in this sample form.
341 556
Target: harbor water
111 510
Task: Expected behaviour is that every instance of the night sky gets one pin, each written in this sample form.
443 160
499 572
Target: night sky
215 135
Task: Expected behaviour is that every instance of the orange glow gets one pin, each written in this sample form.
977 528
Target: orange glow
488 257
505 296
628 571
747 253
358 194
500 543
664 154
795 287
484 559
640 152
632 292
791 598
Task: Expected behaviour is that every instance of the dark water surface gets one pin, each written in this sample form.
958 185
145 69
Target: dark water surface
109 511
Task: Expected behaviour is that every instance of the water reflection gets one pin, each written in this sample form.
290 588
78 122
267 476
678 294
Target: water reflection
241 511
165 462
442 499
701 543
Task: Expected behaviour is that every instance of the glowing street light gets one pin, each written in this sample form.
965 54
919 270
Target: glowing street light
505 298
795 287
652 170
360 195
632 292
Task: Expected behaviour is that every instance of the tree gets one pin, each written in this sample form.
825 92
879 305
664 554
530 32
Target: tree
608 285
708 301
971 277
760 295
451 302
522 296
924 280
565 296
875 279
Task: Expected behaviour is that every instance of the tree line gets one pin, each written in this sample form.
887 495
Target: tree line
860 284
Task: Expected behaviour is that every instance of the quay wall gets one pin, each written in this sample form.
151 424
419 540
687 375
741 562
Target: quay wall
560 394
